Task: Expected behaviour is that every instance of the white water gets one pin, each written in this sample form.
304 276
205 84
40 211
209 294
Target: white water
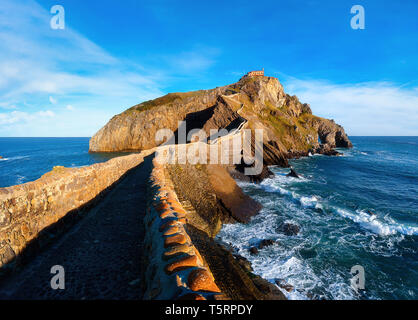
329 233
381 226
14 158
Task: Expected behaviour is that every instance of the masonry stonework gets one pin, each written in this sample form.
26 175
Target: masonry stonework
29 209
174 267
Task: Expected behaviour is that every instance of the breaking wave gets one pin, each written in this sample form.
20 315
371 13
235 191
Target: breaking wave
360 209
368 221
374 224
14 158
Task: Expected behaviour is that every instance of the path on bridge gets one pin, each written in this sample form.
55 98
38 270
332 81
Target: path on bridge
101 254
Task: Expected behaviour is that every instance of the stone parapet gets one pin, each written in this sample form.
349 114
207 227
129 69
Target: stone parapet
174 267
28 210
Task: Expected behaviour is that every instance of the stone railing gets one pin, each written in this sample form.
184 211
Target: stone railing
174 267
27 210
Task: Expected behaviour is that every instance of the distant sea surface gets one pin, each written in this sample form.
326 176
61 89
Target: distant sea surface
357 209
27 159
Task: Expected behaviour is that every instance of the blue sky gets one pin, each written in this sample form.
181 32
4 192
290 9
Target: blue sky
115 54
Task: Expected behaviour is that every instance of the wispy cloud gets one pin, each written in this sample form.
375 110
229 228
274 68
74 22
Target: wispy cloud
59 82
51 123
4 105
38 64
52 100
21 117
371 108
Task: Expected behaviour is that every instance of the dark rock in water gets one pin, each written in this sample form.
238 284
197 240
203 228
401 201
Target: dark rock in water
238 172
293 173
284 285
244 263
315 294
289 229
333 135
253 250
292 154
326 150
265 174
269 289
332 152
265 243
319 210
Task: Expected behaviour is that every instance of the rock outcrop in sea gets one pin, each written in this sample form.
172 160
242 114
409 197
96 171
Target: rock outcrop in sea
290 128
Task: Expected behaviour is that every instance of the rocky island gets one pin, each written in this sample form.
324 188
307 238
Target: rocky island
290 127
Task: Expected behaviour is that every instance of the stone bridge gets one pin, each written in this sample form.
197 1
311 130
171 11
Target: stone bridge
90 221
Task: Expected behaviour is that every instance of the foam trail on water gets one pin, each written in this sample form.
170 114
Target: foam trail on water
372 223
277 185
14 158
341 225
280 262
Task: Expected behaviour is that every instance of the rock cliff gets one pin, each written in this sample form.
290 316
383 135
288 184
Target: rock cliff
290 128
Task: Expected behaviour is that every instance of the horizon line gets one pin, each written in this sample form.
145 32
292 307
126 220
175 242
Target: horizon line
92 136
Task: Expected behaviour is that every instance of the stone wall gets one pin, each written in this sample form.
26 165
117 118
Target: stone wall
27 211
174 267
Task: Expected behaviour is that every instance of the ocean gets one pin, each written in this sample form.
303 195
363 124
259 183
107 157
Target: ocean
331 204
357 209
27 159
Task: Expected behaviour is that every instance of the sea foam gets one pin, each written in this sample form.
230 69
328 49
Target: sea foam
374 224
367 221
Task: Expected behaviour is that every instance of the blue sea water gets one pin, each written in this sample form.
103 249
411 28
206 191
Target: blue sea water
331 205
27 159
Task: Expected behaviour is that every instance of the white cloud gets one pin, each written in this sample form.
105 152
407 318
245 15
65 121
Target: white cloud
52 100
371 108
12 117
7 106
22 117
38 63
70 108
47 113
47 123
